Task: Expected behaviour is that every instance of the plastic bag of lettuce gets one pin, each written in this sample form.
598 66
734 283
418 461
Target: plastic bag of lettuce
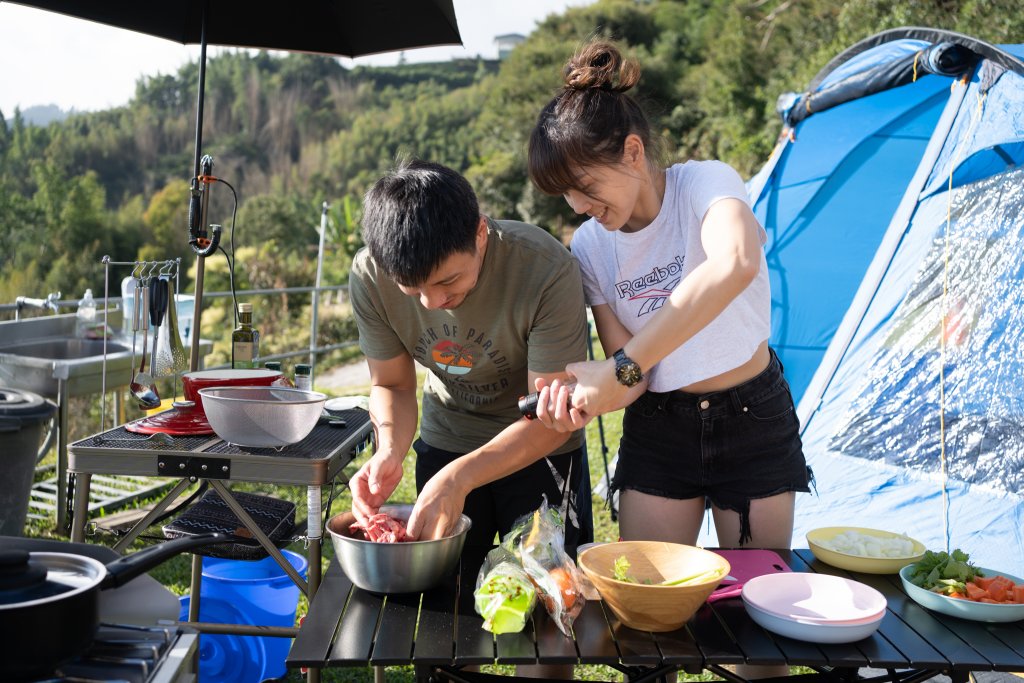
504 594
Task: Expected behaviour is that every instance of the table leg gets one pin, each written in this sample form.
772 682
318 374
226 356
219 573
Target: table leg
314 534
195 587
315 571
62 455
378 674
81 509
246 519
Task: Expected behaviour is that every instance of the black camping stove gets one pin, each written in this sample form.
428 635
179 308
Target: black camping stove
134 654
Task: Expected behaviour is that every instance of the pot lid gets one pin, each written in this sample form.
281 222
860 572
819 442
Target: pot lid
28 579
183 419
25 405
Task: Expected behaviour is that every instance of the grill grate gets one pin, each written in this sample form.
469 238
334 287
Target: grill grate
323 439
119 437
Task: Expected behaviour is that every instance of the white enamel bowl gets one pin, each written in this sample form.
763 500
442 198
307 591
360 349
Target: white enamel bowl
814 598
812 631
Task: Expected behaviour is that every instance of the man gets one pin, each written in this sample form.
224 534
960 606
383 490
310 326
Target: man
488 308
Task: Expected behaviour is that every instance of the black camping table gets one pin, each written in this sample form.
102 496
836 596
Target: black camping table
439 632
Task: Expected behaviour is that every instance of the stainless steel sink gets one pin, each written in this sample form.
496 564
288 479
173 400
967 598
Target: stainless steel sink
38 354
63 349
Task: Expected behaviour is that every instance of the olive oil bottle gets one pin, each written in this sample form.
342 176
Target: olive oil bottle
245 340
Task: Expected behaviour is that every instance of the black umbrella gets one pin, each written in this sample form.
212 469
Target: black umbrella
348 28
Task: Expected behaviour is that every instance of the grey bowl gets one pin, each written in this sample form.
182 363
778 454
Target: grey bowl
262 417
408 567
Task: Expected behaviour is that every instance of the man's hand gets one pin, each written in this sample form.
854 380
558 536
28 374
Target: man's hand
373 484
437 508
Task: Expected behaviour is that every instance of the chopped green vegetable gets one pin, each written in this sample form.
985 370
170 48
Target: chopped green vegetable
621 570
505 599
700 577
943 572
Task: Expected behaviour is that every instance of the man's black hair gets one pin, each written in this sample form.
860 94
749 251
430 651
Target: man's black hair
417 216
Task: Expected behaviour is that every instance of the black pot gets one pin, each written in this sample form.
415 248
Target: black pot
49 602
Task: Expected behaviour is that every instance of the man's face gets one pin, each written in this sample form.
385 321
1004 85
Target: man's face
451 282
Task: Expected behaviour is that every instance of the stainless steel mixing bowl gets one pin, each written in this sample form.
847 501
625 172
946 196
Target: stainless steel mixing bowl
407 567
262 417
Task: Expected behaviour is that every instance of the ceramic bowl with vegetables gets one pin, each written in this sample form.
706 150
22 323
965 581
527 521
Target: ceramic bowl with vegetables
652 585
950 584
859 549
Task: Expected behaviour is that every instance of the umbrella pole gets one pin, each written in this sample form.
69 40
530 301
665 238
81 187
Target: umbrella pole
197 318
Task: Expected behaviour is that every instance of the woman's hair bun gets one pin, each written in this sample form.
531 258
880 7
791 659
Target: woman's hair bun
599 64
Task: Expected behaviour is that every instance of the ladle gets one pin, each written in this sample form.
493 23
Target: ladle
142 385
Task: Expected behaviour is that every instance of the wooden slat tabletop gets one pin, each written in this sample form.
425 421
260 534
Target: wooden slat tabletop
347 626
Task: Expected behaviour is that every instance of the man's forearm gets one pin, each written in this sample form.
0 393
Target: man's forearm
394 415
518 445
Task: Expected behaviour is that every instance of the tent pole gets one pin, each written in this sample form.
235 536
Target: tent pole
197 316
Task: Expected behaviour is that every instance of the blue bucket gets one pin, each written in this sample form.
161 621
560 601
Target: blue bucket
245 592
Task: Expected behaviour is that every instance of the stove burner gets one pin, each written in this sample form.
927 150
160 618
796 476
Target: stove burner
132 654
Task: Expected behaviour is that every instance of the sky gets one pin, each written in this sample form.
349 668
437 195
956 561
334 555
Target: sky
47 58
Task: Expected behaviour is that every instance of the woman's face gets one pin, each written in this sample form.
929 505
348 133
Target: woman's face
608 194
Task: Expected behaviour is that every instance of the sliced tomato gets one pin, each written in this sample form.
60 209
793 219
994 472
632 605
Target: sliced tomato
997 591
984 581
975 592
1018 593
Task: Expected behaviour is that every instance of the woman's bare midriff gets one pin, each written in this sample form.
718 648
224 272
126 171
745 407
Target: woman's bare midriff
727 380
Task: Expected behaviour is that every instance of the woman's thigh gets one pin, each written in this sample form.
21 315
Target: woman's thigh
643 517
771 522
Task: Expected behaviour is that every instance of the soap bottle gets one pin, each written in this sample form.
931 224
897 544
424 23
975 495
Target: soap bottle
245 340
85 318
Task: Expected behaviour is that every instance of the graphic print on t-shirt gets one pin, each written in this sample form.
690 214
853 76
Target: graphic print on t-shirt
452 358
467 360
652 288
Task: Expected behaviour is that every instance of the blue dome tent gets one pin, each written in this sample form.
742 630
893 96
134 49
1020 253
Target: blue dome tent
894 205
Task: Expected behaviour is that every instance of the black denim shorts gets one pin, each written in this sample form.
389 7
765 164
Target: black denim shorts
727 446
494 508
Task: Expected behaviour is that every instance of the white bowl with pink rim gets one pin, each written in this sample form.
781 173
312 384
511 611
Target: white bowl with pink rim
815 598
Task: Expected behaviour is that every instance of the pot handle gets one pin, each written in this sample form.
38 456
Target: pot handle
124 569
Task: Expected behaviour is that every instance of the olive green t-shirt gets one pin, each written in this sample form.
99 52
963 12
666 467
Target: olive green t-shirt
526 312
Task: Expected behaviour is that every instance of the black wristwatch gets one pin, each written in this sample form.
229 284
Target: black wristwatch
627 370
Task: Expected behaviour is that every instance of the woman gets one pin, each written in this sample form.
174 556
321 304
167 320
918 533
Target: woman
675 275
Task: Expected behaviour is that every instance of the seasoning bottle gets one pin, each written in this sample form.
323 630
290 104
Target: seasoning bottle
273 365
303 376
245 340
528 403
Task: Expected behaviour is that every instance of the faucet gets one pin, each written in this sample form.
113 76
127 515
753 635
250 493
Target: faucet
52 301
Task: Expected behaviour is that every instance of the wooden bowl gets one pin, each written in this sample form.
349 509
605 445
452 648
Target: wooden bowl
649 606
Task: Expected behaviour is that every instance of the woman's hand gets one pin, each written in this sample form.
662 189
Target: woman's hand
373 484
554 407
597 389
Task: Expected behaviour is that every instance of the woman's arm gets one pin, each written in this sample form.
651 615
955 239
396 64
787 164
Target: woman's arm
552 403
730 235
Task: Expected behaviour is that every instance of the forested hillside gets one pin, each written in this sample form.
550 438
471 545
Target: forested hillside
292 132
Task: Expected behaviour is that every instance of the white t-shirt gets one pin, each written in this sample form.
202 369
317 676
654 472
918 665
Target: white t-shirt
635 272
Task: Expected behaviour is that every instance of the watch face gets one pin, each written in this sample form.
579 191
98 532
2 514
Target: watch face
628 373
